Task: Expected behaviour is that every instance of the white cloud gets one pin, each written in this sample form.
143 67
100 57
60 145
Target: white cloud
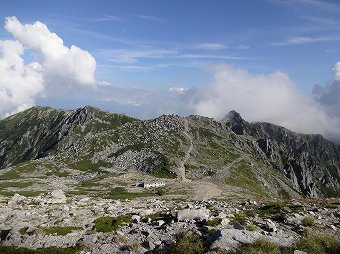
300 40
208 56
150 18
336 70
133 56
179 90
19 83
329 94
108 18
57 66
72 65
271 98
210 46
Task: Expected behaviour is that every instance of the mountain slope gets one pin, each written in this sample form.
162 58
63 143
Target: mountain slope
261 158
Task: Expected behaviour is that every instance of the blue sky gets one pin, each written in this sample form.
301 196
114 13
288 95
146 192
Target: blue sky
249 33
146 48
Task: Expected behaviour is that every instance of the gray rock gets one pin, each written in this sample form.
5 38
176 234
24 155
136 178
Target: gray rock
230 239
192 214
15 199
135 218
299 252
333 227
146 212
270 226
225 222
159 223
238 226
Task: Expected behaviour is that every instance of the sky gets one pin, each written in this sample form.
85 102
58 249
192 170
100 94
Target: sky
271 60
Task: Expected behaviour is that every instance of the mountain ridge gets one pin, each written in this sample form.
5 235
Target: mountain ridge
280 162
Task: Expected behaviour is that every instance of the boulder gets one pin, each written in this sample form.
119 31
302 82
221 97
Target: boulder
230 239
193 214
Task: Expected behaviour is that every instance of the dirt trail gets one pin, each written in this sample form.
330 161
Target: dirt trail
187 154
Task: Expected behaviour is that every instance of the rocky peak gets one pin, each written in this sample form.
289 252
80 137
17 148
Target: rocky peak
233 116
236 122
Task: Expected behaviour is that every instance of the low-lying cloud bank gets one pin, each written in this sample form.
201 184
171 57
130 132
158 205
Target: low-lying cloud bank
55 67
273 98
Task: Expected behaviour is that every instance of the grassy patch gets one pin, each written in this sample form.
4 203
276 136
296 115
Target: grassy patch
62 173
240 218
22 193
23 231
252 227
275 211
260 246
50 250
109 224
9 175
185 243
121 193
59 230
213 223
318 244
15 184
88 165
243 176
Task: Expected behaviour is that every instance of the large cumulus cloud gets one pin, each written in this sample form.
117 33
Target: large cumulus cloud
56 66
73 64
20 84
271 98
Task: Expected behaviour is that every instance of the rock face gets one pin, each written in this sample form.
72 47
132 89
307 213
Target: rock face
293 164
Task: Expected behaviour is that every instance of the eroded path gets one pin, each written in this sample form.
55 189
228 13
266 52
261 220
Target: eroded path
187 153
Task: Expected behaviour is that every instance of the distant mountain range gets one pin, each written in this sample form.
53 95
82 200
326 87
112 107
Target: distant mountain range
263 158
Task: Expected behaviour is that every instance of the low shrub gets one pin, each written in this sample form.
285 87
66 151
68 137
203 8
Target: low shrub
50 250
307 221
318 244
187 243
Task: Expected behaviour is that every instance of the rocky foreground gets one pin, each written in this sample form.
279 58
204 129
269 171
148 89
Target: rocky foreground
155 225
